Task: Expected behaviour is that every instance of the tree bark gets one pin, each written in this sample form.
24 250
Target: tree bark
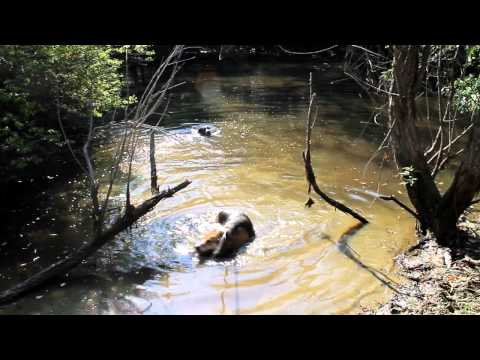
70 261
435 212
465 185
423 192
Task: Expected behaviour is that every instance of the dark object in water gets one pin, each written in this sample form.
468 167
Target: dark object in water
236 231
205 131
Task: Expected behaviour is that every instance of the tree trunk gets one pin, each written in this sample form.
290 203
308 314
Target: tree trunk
465 185
422 191
435 212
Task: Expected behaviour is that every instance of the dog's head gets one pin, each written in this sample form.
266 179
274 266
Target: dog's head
211 243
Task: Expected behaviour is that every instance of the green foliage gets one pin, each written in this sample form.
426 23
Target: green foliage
473 55
145 51
467 95
408 175
386 75
83 79
22 143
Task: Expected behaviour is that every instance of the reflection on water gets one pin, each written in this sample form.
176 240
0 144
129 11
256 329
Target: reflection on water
252 162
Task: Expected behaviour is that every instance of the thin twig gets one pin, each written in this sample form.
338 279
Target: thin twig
373 87
464 132
306 52
368 51
91 178
381 147
399 203
67 141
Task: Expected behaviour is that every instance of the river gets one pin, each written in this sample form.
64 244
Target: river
253 163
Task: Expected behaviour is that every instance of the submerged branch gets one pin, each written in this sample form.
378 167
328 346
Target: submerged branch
153 164
312 182
70 261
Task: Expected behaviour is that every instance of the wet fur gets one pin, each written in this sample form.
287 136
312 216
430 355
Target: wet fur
205 131
236 231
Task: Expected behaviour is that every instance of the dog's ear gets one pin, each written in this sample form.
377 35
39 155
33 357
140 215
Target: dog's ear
222 245
222 217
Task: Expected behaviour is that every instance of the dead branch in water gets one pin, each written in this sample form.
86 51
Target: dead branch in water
312 182
70 261
153 164
148 105
399 203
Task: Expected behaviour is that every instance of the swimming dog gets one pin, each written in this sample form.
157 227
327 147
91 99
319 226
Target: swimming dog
235 231
205 131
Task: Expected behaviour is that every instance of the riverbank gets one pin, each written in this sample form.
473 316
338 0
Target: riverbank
438 281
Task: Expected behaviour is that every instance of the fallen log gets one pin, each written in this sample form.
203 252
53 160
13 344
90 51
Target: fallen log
70 261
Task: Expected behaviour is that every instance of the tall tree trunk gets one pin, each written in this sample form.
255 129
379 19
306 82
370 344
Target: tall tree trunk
422 191
465 185
436 212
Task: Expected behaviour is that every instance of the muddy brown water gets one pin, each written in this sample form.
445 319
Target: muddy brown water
252 162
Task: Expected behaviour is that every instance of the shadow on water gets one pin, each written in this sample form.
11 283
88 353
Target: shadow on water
343 246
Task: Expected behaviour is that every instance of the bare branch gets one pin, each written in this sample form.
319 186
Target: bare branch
91 178
368 51
399 203
463 133
439 157
381 147
434 143
307 52
312 182
423 66
445 161
153 165
70 261
67 141
367 84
